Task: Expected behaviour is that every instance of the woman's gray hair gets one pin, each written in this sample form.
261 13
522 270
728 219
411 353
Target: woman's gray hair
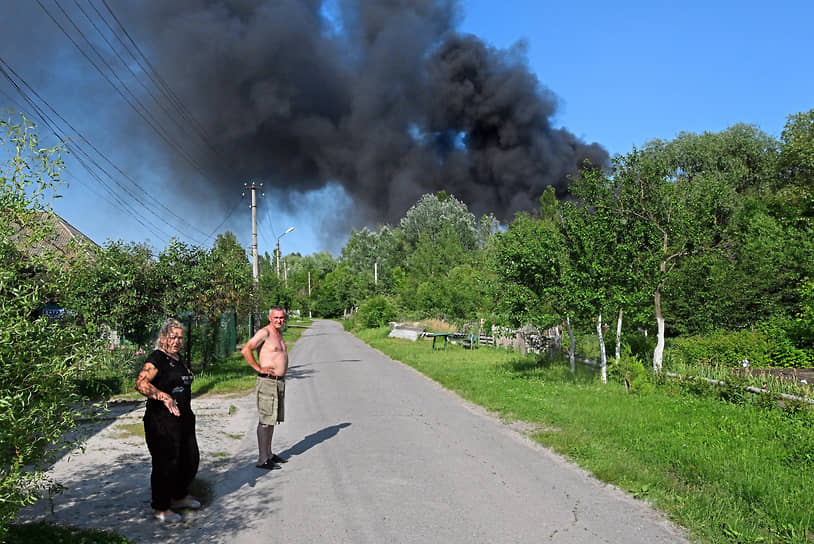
169 324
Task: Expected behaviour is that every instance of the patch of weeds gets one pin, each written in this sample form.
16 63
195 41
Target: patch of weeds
232 409
236 436
130 429
36 533
221 455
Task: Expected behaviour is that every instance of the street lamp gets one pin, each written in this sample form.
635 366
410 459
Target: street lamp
278 249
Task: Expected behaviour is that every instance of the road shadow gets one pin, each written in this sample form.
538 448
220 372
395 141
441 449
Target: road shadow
298 372
313 439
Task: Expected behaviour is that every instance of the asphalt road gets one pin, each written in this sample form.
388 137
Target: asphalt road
377 454
380 454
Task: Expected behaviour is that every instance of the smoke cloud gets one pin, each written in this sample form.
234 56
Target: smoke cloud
381 97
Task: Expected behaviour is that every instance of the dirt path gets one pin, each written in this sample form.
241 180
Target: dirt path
107 486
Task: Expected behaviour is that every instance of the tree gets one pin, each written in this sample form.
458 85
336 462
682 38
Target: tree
304 274
796 160
181 270
40 358
530 261
227 287
678 199
374 255
122 289
341 290
432 213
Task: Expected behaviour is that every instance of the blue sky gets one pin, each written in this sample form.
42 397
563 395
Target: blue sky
623 73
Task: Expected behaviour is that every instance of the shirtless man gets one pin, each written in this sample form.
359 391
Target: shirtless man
271 365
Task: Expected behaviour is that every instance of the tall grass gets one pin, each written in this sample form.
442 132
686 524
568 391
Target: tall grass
729 472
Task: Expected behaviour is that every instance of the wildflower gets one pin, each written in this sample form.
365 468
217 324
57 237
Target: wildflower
745 363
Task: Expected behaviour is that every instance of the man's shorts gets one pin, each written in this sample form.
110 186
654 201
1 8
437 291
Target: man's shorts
270 400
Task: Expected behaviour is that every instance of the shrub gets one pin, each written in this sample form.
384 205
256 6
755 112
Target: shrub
631 371
39 357
725 349
376 312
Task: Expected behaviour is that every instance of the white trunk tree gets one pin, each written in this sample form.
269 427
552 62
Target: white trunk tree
572 346
619 337
603 358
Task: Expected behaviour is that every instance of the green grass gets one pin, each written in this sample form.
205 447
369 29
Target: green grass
737 471
38 533
131 429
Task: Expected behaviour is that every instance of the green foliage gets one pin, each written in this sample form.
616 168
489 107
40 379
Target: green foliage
631 371
376 312
37 533
764 348
39 357
797 150
119 287
722 348
432 214
339 291
639 344
531 263
375 254
113 373
802 328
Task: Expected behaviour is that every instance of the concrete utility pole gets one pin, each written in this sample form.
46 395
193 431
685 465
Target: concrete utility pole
255 270
254 188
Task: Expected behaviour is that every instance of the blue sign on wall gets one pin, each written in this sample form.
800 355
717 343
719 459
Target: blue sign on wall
53 311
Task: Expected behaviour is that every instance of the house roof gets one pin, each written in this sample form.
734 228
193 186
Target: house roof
65 237
65 232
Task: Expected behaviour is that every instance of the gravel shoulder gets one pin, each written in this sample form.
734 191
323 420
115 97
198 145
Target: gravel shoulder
107 480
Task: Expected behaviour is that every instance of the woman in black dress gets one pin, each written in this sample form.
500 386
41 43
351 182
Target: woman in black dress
169 424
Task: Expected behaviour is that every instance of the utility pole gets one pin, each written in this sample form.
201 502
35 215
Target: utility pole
255 270
254 188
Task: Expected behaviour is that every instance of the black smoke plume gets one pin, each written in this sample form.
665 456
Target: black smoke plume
382 97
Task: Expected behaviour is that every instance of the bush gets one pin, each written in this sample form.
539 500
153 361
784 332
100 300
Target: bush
785 350
727 349
640 346
40 357
376 312
632 372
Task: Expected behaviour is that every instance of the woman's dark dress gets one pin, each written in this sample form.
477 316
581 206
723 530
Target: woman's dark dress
171 439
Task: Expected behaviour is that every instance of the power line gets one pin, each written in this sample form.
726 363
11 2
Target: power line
155 77
141 110
79 152
48 114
